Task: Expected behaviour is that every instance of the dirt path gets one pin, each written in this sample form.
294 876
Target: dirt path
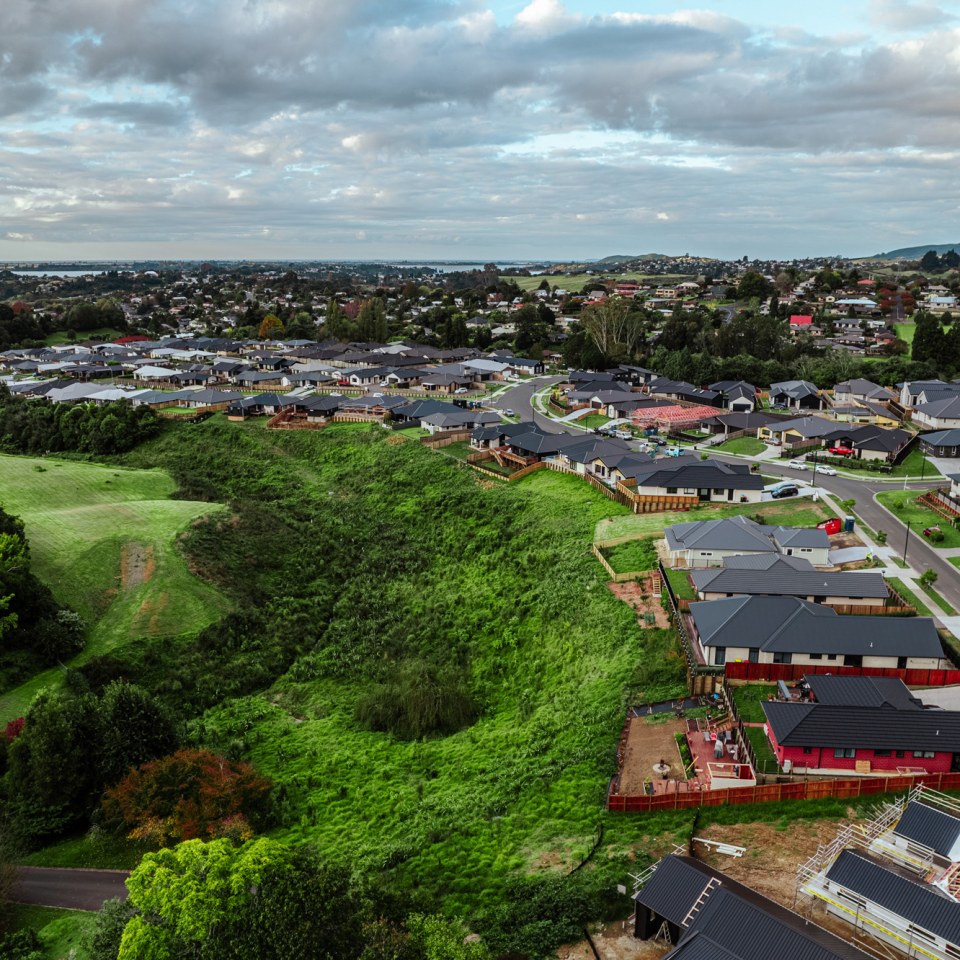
137 564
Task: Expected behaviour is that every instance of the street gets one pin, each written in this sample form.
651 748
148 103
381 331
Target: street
920 554
71 889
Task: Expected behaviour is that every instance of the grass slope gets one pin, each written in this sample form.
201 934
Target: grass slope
103 539
62 932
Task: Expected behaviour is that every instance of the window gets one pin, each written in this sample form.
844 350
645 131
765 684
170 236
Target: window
881 753
808 749
720 656
831 656
816 656
671 489
846 753
706 553
901 663
900 754
924 754
779 657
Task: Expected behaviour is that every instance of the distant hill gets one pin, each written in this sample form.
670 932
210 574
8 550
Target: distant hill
915 253
621 258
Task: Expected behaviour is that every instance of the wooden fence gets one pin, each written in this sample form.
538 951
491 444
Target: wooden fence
771 672
777 792
444 438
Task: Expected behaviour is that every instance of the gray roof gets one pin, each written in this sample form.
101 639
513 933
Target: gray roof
930 827
791 625
942 438
811 428
920 904
797 724
863 692
795 389
741 533
735 922
948 408
797 537
788 576
701 474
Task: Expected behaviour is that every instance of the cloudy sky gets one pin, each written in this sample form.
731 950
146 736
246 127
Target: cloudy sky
481 129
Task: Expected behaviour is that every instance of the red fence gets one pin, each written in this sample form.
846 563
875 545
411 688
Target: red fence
775 792
795 671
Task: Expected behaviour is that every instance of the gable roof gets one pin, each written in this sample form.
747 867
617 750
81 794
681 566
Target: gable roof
948 408
862 692
930 827
779 575
942 438
919 903
701 474
877 728
791 625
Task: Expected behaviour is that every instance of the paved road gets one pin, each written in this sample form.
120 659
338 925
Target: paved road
72 889
920 555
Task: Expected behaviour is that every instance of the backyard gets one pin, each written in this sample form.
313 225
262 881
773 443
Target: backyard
745 446
635 555
796 513
903 504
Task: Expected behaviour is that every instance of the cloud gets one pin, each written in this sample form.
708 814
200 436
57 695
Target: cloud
901 15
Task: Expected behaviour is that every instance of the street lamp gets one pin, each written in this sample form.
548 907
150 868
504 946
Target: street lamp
906 540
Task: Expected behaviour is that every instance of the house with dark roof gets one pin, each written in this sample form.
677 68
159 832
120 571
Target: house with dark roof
710 916
859 691
830 737
870 441
941 443
799 432
789 630
798 394
915 918
712 543
741 423
711 481
738 395
929 827
941 414
782 575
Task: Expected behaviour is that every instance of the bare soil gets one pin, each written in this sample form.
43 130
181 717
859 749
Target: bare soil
637 594
615 941
648 744
137 564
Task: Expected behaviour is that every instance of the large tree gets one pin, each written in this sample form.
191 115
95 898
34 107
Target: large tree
614 326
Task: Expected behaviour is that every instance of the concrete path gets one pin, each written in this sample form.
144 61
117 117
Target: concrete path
71 889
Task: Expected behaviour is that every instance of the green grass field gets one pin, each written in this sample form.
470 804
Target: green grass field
746 446
62 932
632 556
103 333
802 513
103 539
903 505
910 596
577 281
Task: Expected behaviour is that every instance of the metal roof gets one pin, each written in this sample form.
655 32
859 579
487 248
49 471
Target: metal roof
930 827
919 904
675 887
862 692
869 728
787 625
777 577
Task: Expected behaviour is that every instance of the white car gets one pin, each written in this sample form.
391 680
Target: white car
827 471
797 464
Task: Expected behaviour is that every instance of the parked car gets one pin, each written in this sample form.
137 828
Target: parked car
784 490
841 451
461 390
509 412
623 434
797 464
827 471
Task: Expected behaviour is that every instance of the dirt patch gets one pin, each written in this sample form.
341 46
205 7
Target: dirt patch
147 618
615 941
137 564
638 595
648 744
775 851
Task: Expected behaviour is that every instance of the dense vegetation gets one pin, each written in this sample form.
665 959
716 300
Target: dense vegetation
37 426
431 671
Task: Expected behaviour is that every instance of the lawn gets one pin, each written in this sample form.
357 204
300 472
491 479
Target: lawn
103 333
903 505
803 513
915 464
593 421
749 696
61 932
910 596
635 555
103 539
682 587
745 446
576 282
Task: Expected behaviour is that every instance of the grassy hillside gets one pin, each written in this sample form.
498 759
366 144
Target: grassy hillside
576 282
103 539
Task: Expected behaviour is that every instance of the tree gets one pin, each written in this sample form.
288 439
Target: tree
271 328
752 285
372 321
220 902
928 578
189 794
930 262
613 326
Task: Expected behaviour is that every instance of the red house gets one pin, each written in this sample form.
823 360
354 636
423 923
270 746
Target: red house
898 735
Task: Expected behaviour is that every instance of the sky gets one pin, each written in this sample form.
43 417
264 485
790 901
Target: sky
476 129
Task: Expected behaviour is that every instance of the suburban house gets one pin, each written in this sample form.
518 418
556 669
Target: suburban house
926 826
711 481
681 390
738 395
801 431
941 443
824 737
740 423
912 917
789 630
709 916
781 575
799 394
870 442
914 392
859 390
831 689
941 414
710 543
